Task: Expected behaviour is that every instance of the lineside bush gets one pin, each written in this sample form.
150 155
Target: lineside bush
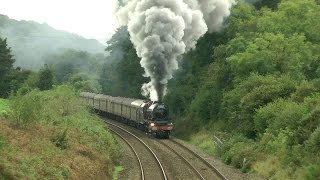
4 108
51 135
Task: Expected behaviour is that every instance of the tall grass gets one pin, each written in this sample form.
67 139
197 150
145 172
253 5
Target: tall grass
51 135
4 108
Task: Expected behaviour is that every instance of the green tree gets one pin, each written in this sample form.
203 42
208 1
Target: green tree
273 4
45 81
122 73
240 104
82 82
274 54
71 62
288 19
18 76
6 66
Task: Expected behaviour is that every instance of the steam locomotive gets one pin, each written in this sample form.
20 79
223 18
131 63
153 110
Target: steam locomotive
150 116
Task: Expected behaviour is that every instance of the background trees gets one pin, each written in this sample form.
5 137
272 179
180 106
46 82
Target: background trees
78 68
31 41
45 81
121 73
6 66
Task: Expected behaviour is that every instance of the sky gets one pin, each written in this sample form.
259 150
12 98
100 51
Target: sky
93 19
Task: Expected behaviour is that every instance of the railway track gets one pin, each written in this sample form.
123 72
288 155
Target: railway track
150 165
184 159
203 168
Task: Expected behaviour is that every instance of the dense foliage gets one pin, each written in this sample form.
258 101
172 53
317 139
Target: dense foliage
6 65
259 92
45 79
10 79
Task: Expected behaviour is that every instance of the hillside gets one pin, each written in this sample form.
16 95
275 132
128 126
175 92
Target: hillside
31 42
53 137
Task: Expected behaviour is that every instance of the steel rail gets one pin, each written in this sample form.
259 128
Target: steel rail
154 155
184 159
202 159
136 154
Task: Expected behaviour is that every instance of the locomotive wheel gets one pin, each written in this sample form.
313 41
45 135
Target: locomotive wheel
166 136
156 135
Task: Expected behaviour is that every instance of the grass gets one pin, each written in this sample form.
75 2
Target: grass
61 141
116 172
204 141
4 107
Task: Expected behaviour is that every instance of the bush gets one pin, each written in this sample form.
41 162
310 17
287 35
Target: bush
279 115
206 104
4 108
60 107
240 104
238 151
309 172
61 141
2 141
313 143
204 140
27 108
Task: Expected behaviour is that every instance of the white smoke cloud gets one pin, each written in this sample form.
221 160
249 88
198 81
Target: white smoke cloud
215 11
162 30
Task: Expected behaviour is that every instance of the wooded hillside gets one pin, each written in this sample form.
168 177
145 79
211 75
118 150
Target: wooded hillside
255 85
31 42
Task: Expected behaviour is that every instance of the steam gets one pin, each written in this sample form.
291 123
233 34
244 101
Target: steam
162 30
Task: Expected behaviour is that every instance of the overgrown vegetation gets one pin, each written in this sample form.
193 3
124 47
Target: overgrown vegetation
51 135
4 108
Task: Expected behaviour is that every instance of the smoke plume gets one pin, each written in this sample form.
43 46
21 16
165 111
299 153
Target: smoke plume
162 30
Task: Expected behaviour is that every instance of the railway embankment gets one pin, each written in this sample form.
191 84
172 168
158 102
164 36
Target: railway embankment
50 135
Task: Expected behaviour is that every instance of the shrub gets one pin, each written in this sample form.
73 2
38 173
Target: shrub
26 109
313 144
2 142
240 104
204 140
61 140
4 108
309 172
238 151
279 115
206 104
